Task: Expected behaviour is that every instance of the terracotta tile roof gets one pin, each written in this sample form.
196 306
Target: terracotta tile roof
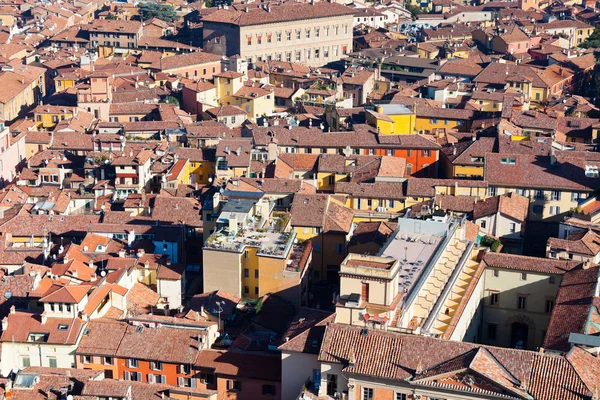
230 150
239 364
178 210
172 272
50 380
510 204
528 264
141 298
381 190
102 337
22 324
306 331
185 60
399 356
530 171
367 232
208 301
285 12
105 25
167 344
309 210
71 294
462 204
497 73
573 303
582 242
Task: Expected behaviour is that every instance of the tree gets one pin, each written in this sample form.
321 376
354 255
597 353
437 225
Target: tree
111 16
172 100
593 41
161 11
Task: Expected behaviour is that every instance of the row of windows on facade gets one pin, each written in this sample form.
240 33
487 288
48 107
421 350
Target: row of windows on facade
357 151
309 53
114 44
521 302
208 379
308 34
555 195
113 35
369 394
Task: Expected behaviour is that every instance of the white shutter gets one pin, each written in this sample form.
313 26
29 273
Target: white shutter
151 378
193 382
127 376
179 381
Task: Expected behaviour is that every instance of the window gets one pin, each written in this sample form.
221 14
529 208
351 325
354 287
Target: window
345 29
552 280
256 291
554 210
259 39
269 38
492 191
336 30
317 53
512 227
317 247
233 385
539 195
409 169
186 382
331 180
246 273
555 195
494 299
246 290
52 362
256 273
522 303
207 378
25 362
576 196
339 248
433 121
390 152
63 327
132 363
368 394
538 209
87 359
108 361
249 40
160 379
326 31
549 306
401 396
268 390
492 331
298 34
288 35
523 276
496 273
156 365
288 56
508 160
297 56
521 192
483 224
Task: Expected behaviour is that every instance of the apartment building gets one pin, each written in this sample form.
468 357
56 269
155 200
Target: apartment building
553 184
518 298
24 86
314 33
39 340
114 35
259 252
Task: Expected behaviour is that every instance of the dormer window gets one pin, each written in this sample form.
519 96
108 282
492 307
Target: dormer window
63 327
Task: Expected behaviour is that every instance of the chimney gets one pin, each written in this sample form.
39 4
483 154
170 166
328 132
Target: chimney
197 315
44 317
122 253
4 323
141 252
12 309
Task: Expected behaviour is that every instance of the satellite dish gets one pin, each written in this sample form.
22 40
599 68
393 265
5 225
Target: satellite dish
210 180
103 273
70 397
217 334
